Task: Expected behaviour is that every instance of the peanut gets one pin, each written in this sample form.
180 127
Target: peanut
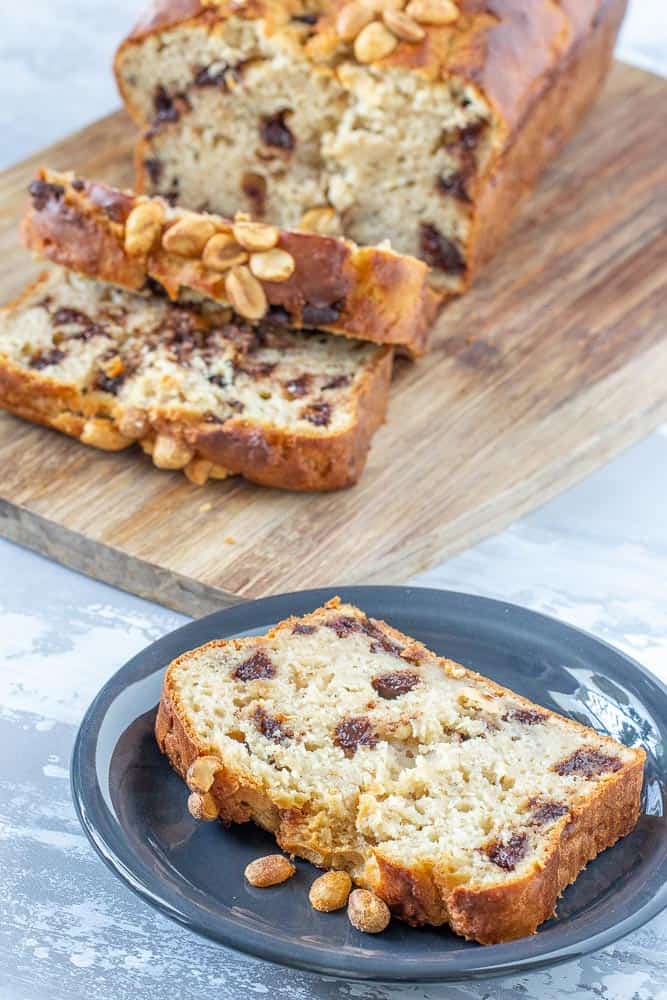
222 252
170 454
142 228
245 293
403 26
330 891
367 912
203 807
352 18
374 42
198 471
255 236
133 424
272 265
201 774
188 236
477 700
436 12
320 220
100 433
271 870
219 472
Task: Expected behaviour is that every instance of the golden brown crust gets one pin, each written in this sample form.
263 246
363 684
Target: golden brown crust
378 296
548 123
503 913
261 453
480 48
423 894
537 66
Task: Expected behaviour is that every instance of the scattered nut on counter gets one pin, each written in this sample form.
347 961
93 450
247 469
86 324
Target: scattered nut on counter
270 870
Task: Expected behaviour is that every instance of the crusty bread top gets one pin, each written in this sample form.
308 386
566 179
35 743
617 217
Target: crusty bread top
506 50
367 293
362 749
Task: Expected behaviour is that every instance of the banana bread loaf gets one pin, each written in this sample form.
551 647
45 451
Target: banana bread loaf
306 279
454 799
418 121
199 389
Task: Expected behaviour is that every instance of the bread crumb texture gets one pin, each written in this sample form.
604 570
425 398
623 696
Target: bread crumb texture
364 752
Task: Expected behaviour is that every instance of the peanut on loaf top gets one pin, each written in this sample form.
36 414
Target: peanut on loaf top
312 280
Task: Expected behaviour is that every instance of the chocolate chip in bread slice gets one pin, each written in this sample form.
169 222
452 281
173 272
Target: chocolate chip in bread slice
455 800
198 388
296 278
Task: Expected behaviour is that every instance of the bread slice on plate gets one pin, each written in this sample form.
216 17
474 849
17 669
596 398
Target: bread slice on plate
457 801
306 279
199 388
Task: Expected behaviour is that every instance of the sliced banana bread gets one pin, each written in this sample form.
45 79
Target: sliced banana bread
418 121
198 388
310 280
454 799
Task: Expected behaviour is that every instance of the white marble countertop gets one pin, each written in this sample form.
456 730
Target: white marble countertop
596 556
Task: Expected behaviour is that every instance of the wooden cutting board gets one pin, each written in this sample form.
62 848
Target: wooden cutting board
554 362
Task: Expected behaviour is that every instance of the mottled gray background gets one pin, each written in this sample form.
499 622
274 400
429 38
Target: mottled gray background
596 556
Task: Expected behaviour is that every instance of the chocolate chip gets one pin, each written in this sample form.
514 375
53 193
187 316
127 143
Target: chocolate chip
78 184
337 383
526 716
115 204
299 386
66 317
72 317
468 137
173 194
208 77
354 732
274 132
253 187
42 193
587 762
321 315
305 18
107 383
46 359
278 316
546 811
165 108
218 380
344 625
270 727
153 168
381 644
260 370
453 185
257 665
507 855
318 414
155 288
301 629
438 251
392 686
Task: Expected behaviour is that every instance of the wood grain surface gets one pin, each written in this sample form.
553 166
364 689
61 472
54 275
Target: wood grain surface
554 362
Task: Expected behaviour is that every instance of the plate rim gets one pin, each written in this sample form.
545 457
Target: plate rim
261 944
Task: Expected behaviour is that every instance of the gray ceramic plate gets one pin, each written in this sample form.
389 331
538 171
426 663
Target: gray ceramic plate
132 806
